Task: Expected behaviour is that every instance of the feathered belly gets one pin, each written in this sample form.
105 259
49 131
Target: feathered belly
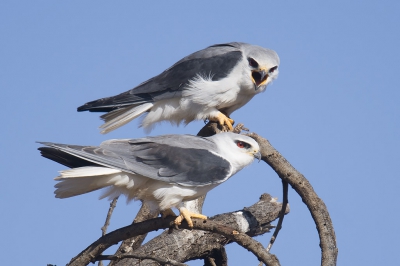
194 107
229 108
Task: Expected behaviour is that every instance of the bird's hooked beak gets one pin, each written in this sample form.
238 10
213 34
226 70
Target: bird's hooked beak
257 155
259 78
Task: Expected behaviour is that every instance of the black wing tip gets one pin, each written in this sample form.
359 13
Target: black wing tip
100 105
82 108
61 157
92 108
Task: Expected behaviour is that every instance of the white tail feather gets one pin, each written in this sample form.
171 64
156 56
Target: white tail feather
86 171
118 118
82 180
114 113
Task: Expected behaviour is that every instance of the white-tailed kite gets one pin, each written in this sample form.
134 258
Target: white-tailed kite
208 84
162 171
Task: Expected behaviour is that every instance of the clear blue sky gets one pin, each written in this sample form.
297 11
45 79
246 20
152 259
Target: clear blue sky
333 113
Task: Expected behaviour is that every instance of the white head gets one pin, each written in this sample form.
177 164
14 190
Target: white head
262 65
238 149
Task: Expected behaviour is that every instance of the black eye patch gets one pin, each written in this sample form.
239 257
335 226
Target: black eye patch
272 69
252 62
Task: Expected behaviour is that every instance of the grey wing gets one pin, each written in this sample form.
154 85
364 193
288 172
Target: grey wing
78 156
191 166
216 61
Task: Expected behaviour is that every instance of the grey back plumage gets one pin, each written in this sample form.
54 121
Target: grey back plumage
182 159
216 60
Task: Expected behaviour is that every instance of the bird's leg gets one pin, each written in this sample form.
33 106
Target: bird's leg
167 212
185 214
222 119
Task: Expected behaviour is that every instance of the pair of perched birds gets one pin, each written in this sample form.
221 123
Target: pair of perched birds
166 171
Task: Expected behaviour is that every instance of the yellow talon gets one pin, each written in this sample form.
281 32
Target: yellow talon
223 120
187 215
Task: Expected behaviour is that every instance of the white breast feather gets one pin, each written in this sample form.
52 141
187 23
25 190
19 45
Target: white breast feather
202 98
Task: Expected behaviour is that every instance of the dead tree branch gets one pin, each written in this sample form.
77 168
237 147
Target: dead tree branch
300 184
113 204
228 227
281 215
217 257
208 238
129 245
148 257
110 211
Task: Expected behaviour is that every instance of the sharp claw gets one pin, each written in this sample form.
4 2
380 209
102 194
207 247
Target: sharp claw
178 220
187 215
223 120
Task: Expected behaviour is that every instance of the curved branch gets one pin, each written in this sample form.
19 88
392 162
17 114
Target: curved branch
218 257
267 209
281 215
300 184
128 245
148 257
113 204
284 170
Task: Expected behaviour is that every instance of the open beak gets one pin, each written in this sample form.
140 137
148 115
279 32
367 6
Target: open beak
259 77
263 75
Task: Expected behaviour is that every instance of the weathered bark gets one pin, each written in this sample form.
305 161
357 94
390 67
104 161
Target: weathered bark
183 245
129 245
217 257
237 226
300 184
186 245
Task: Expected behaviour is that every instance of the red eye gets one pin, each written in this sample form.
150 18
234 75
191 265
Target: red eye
273 69
240 144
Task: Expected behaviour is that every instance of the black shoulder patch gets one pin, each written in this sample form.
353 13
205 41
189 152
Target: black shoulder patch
170 83
184 166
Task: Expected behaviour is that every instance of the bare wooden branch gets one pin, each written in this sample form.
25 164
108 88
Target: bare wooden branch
301 185
211 128
217 257
258 217
110 211
148 257
281 215
185 245
129 245
222 229
107 222
239 128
